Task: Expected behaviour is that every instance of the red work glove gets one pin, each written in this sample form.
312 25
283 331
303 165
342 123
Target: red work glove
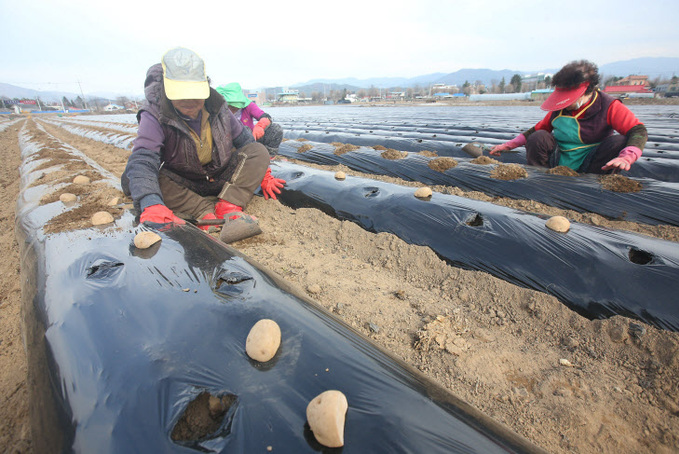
517 141
159 214
271 185
223 207
258 130
625 159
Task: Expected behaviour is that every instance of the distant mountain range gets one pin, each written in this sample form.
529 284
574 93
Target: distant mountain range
12 91
653 67
457 78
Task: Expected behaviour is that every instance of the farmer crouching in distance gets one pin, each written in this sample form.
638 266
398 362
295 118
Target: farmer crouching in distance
265 131
192 157
578 132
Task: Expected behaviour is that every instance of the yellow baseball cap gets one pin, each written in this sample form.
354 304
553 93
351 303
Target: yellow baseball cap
184 75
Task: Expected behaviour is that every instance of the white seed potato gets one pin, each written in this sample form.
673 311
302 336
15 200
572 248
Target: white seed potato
146 239
340 175
114 201
558 224
67 197
102 217
263 340
423 193
326 415
81 179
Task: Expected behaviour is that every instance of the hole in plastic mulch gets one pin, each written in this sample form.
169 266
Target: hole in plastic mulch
234 283
296 175
640 257
104 270
205 418
371 192
475 220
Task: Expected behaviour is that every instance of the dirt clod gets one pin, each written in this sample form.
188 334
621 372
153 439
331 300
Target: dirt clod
442 164
619 183
345 148
484 160
393 155
508 172
562 170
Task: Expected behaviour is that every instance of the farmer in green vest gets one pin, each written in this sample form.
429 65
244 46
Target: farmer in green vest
579 130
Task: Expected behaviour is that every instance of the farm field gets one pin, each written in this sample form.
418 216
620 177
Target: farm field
562 379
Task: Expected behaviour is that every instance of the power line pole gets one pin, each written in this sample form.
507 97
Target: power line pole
83 96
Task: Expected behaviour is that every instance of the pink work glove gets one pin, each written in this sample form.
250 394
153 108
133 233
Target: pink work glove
159 214
271 185
625 159
517 141
258 130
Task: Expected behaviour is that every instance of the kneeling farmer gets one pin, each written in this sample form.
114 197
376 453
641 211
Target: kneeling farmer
579 130
191 156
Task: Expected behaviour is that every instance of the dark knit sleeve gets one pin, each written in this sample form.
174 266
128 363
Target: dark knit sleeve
637 136
140 178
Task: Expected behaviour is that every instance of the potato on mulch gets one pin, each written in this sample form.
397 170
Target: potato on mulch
263 340
326 415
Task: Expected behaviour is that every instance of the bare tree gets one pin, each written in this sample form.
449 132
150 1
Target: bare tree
122 101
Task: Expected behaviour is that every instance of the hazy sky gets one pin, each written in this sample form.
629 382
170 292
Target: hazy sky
109 45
